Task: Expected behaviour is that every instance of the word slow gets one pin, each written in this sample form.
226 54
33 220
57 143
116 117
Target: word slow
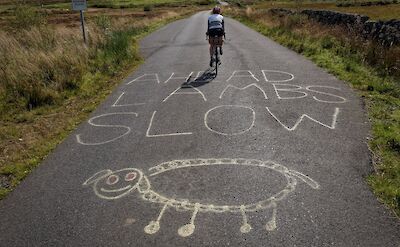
112 185
248 123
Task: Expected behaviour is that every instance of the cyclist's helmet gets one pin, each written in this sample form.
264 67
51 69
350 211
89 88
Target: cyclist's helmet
216 10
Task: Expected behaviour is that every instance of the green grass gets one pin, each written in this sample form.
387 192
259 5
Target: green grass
381 94
133 4
114 4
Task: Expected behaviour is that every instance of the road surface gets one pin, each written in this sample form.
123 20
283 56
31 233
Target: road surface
271 152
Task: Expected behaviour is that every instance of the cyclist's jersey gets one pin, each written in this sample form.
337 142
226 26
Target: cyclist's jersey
215 21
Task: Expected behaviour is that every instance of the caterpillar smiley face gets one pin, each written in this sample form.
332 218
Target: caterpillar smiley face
109 184
113 185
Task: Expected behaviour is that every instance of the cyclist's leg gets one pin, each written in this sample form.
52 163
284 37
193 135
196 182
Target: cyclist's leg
217 58
219 41
211 54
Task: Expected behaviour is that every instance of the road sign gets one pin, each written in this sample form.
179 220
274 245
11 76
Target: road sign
79 5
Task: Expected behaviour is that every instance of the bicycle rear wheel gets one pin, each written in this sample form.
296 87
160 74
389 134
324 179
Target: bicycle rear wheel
216 60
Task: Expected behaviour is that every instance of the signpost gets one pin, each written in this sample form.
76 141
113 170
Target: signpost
80 5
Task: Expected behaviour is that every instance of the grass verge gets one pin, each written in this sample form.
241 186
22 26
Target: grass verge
380 91
124 4
34 119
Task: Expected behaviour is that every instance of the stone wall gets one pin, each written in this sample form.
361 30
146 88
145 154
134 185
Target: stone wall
385 32
368 3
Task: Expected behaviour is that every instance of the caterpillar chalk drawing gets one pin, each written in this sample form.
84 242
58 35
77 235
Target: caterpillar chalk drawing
111 185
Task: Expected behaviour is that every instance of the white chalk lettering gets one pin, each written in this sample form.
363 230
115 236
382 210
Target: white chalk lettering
181 78
233 133
243 88
146 77
185 92
295 89
242 74
269 76
331 126
116 103
127 129
162 135
342 100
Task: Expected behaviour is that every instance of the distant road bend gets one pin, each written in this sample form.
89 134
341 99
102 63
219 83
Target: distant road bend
271 152
222 3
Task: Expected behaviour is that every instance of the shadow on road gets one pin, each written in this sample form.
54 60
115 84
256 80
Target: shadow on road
203 79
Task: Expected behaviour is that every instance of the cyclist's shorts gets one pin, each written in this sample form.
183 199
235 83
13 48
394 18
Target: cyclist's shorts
216 41
216 32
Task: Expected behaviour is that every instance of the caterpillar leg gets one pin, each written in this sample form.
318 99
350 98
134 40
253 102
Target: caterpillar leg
188 229
154 226
246 227
271 224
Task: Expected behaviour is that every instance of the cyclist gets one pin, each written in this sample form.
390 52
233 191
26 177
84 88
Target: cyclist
215 27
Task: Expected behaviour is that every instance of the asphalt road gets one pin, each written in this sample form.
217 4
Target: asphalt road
271 152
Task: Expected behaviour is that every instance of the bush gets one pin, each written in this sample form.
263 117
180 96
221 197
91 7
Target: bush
148 8
366 3
204 2
116 50
103 22
327 42
291 21
26 17
37 65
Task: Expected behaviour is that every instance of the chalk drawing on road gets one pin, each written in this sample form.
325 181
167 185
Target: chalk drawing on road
198 75
116 103
299 120
244 88
162 135
146 77
294 89
187 93
104 189
242 74
269 73
229 106
343 100
90 121
302 94
106 186
181 78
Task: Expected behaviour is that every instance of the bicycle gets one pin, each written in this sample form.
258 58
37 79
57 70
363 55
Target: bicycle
216 42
